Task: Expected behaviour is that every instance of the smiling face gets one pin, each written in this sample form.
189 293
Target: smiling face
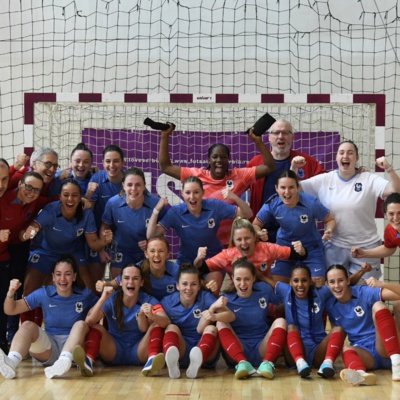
347 158
63 278
219 162
288 191
281 139
188 286
131 281
81 162
243 280
339 285
47 171
192 195
30 189
300 282
70 198
393 215
134 188
113 164
157 253
245 241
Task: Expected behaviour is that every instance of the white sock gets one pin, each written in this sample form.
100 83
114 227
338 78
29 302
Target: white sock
395 359
328 361
15 358
300 361
67 355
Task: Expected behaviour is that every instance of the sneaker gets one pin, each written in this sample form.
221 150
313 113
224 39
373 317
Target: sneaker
83 362
172 361
59 368
266 369
303 369
326 371
196 359
154 364
357 377
396 372
243 370
6 368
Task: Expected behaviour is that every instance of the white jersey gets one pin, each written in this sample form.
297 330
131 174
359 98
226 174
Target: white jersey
351 202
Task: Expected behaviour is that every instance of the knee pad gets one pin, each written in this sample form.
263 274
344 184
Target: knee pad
42 343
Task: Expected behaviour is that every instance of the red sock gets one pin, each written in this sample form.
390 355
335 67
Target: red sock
387 330
295 345
353 361
207 345
156 340
275 344
170 339
39 316
335 345
28 316
92 343
231 345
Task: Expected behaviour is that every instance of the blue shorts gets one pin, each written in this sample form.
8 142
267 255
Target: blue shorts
57 344
185 360
340 255
44 262
315 261
127 353
379 361
251 352
310 348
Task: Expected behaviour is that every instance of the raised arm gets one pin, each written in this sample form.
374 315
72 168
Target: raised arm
377 252
330 225
154 229
390 291
269 161
244 209
96 243
96 314
163 157
394 179
12 306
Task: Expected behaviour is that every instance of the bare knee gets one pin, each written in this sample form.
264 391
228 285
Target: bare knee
211 329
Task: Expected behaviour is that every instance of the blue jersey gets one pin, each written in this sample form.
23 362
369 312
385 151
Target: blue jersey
355 316
58 235
187 319
295 223
195 232
82 183
130 333
314 330
163 286
251 323
59 312
129 225
103 193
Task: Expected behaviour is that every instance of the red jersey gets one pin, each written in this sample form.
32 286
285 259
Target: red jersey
391 237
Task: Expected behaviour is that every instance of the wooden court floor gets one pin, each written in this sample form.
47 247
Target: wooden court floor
118 383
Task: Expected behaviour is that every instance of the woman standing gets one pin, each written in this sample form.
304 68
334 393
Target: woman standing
351 197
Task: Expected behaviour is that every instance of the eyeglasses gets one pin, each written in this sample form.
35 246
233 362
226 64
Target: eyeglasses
49 164
30 188
284 133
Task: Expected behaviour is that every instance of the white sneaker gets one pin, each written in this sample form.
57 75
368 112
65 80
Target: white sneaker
196 359
396 372
5 366
172 361
358 377
59 368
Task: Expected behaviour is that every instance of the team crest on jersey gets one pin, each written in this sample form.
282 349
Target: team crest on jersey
358 187
304 218
263 302
197 313
79 232
35 258
147 222
229 184
315 308
118 257
79 307
300 173
170 288
93 253
263 266
211 223
359 311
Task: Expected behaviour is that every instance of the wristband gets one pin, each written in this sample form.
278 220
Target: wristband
390 169
10 297
156 212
